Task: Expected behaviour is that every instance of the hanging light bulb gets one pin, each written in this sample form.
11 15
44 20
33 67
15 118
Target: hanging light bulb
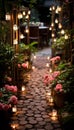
24 13
27 17
50 9
53 35
62 31
53 7
20 16
54 39
50 28
56 11
60 26
29 12
21 36
52 24
56 20
66 36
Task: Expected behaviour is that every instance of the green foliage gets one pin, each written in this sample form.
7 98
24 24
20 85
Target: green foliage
60 43
29 47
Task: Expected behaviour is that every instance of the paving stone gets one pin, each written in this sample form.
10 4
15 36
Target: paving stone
32 121
39 119
22 122
29 126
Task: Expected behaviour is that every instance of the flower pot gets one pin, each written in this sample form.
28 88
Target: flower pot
58 99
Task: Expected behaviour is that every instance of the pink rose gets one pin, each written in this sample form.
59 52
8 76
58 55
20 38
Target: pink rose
59 87
56 73
24 65
13 100
6 107
19 66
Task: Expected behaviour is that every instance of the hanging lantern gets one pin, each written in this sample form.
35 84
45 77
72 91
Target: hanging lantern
24 13
15 41
53 34
62 31
14 109
7 17
60 26
66 36
15 27
20 16
56 20
21 36
23 88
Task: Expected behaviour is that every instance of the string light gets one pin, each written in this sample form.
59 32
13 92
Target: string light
62 31
56 20
60 26
20 16
66 36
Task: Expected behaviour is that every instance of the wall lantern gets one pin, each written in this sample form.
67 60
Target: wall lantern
7 17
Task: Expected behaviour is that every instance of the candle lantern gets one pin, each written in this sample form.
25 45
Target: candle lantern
23 88
14 109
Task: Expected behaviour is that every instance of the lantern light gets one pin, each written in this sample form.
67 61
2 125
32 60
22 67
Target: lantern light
15 27
66 36
50 9
56 20
60 25
59 8
20 16
52 24
27 17
24 13
53 35
21 36
56 11
29 12
62 31
7 17
23 88
14 109
15 41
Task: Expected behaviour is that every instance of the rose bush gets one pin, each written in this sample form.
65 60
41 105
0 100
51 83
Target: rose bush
8 97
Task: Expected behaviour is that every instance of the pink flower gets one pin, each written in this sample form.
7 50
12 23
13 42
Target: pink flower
54 59
24 65
51 78
56 74
11 88
6 107
59 87
19 66
13 100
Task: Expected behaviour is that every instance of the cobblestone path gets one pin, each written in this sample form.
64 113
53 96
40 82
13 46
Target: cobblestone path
33 107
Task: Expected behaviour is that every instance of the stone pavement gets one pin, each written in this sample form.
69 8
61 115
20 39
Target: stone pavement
34 110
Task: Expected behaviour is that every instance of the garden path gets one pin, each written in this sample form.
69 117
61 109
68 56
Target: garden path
33 106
